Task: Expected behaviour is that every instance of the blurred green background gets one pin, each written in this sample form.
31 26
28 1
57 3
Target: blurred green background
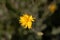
46 22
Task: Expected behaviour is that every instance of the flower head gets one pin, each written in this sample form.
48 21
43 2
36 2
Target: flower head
52 7
26 21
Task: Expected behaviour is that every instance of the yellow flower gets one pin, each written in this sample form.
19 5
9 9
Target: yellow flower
52 7
26 21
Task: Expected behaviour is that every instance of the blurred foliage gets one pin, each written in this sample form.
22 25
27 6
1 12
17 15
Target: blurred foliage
45 27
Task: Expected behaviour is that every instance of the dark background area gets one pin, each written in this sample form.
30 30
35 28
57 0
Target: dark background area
11 29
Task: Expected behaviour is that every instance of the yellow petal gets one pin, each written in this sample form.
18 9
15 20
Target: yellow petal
26 21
